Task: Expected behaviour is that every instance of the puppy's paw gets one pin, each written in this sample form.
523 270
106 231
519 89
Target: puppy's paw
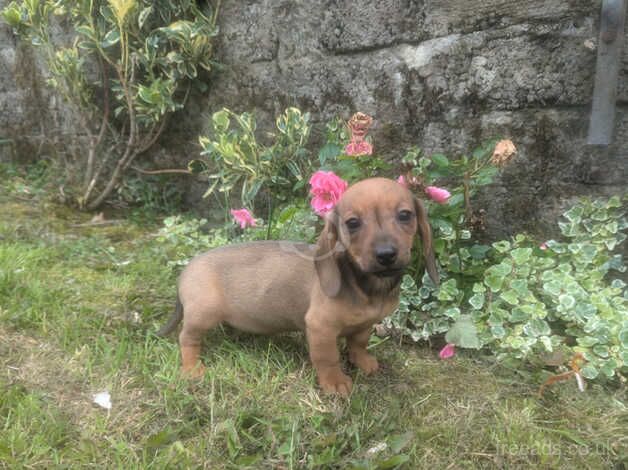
364 361
195 372
336 383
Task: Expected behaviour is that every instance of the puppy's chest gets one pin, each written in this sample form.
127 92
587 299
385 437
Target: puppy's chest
363 316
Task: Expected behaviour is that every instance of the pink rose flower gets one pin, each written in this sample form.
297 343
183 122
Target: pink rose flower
326 188
243 217
448 351
356 149
402 181
438 195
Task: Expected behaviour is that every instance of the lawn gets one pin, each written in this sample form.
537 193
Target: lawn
79 303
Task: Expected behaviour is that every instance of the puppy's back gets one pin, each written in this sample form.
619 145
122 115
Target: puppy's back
260 287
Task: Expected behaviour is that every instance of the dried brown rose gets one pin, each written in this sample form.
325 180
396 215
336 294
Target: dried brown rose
504 151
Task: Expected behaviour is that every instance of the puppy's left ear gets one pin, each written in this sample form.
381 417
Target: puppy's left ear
325 262
425 232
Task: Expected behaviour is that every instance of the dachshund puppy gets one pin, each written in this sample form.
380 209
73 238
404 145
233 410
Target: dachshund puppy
341 286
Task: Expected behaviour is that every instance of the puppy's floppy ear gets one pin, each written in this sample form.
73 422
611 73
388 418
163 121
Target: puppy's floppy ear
425 232
325 261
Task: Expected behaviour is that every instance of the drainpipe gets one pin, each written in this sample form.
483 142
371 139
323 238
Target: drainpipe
609 50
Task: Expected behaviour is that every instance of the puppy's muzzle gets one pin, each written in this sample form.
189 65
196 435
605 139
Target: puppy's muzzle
387 261
386 255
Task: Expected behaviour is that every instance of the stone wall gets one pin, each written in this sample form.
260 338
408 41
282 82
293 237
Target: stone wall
441 74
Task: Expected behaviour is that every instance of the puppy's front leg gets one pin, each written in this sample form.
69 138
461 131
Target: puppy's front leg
323 344
356 344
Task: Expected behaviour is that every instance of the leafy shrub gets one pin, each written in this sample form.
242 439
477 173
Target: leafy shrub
236 162
126 66
538 302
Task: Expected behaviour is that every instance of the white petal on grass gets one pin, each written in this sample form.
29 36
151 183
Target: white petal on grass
103 399
580 381
377 448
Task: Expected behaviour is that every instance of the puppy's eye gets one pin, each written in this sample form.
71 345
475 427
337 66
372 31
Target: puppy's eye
404 216
353 223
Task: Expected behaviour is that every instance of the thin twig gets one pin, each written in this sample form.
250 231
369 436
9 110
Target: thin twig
162 172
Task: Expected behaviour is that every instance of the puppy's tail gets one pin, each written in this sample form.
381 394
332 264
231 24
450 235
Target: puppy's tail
175 319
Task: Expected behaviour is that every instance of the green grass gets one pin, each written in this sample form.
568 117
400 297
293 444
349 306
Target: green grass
79 303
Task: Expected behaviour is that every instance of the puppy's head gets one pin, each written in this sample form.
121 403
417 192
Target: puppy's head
373 228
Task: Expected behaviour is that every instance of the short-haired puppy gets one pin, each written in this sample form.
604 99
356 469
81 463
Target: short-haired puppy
341 286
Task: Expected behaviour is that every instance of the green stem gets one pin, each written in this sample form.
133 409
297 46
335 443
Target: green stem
270 216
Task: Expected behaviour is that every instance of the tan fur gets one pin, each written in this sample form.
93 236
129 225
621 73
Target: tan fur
328 290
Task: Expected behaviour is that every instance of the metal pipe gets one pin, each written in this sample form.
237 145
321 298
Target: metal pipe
602 123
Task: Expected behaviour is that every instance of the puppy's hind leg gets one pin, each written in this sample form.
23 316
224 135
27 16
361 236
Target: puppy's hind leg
197 321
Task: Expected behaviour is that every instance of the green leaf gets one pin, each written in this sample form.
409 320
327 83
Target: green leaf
553 287
452 312
519 315
440 160
510 296
502 246
197 166
494 282
479 251
448 290
608 367
587 341
477 301
590 372
463 333
521 255
143 16
566 301
623 338
574 214
330 151
221 121
537 327
498 331
601 350
111 38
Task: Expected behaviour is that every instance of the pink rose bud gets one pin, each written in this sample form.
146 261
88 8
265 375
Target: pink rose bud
356 149
438 195
243 217
448 351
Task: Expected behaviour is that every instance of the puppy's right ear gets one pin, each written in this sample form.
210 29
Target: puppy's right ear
425 232
325 262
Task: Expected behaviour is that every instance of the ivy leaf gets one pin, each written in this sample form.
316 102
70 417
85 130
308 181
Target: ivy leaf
623 338
537 327
510 296
566 301
494 282
502 246
589 372
521 255
477 301
463 333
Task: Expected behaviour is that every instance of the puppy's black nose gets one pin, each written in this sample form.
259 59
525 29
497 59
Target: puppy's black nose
386 255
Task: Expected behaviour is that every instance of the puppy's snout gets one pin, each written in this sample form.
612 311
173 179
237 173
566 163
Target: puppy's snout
386 255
